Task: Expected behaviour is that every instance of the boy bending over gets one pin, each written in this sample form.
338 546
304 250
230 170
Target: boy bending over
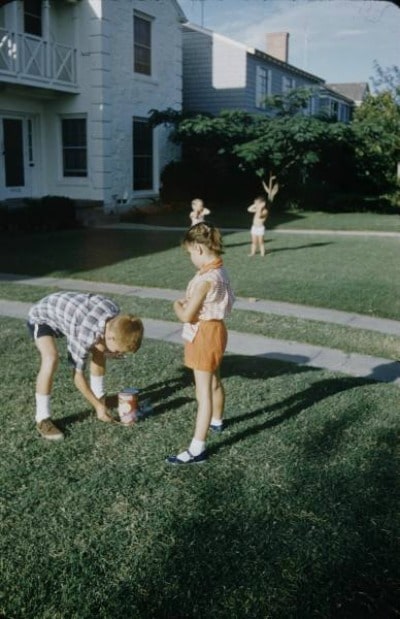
92 325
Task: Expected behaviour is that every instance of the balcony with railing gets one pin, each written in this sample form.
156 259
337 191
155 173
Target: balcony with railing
32 61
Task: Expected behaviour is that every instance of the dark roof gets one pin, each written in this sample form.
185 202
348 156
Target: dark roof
352 90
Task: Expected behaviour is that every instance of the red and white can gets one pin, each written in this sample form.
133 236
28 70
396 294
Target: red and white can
128 405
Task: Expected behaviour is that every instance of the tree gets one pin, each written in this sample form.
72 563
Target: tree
376 126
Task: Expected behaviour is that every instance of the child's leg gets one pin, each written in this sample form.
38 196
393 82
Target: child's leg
253 245
204 395
261 245
48 364
218 399
44 383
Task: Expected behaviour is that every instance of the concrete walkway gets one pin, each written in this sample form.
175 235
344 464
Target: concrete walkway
374 368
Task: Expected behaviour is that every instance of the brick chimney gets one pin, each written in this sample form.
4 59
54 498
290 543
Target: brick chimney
278 45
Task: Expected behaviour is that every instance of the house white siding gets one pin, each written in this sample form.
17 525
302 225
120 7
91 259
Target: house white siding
101 88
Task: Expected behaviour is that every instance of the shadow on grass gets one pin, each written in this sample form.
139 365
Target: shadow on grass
252 367
79 250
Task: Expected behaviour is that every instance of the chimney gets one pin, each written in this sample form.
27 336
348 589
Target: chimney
278 45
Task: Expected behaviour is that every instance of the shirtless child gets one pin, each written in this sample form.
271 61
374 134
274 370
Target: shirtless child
260 210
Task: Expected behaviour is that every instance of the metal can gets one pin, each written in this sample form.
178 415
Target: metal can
128 405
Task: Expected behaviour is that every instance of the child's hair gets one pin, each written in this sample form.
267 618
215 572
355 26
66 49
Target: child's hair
204 235
197 202
261 199
127 330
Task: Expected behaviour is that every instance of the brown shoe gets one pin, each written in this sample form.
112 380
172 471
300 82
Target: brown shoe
48 430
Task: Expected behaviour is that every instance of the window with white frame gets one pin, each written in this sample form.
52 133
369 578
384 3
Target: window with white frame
288 84
142 154
33 17
142 44
74 147
263 86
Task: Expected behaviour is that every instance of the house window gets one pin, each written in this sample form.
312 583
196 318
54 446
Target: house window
142 45
74 146
33 17
142 154
288 84
262 87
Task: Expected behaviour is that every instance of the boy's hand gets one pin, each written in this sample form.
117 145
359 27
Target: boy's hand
103 413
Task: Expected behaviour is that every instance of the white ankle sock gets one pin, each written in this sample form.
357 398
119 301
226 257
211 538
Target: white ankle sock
42 407
196 447
216 422
97 385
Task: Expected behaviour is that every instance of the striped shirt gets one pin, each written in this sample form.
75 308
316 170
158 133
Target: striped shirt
80 317
219 299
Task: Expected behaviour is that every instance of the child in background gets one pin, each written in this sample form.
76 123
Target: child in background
93 326
208 300
198 212
260 210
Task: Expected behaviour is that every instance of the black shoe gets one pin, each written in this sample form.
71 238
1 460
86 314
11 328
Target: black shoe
217 429
193 459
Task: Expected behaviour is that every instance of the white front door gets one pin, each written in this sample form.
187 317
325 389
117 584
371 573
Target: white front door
16 157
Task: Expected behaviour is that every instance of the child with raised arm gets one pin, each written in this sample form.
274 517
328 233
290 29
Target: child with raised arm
208 300
198 212
260 210
93 326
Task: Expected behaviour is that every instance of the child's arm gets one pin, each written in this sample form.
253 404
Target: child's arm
206 211
252 209
82 385
188 311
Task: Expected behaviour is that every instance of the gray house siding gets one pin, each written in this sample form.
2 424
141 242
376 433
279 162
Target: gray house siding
220 74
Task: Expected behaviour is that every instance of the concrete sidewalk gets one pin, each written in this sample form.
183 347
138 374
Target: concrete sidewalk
373 368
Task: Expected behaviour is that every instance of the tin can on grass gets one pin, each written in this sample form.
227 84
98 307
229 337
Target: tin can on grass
128 405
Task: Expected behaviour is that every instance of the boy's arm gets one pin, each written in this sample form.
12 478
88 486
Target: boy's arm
252 209
188 311
82 385
206 211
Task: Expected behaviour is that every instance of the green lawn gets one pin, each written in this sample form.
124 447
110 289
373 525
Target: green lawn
354 274
296 514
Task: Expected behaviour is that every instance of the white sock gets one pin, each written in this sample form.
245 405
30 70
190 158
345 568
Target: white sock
97 385
42 407
196 448
216 422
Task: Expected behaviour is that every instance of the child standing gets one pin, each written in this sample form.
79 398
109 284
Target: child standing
208 300
198 212
93 326
260 210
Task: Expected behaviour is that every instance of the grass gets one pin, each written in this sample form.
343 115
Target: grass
296 515
354 274
313 332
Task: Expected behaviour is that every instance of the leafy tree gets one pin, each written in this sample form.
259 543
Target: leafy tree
387 80
376 126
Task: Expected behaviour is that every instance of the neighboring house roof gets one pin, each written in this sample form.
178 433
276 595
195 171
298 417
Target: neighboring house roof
181 14
256 52
356 91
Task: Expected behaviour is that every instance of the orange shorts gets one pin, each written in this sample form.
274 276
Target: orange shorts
207 349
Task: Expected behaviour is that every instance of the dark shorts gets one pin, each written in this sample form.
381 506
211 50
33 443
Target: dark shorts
37 331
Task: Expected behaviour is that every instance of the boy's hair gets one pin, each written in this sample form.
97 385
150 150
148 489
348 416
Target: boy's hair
127 330
204 234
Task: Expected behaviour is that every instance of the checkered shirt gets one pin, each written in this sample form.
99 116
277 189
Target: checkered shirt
80 317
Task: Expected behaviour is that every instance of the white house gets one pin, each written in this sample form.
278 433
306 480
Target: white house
220 73
77 81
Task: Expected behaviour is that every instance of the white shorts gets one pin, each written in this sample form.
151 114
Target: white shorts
257 230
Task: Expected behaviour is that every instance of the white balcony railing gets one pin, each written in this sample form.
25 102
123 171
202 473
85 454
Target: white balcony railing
27 59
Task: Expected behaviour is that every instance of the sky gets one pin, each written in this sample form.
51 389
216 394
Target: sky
337 40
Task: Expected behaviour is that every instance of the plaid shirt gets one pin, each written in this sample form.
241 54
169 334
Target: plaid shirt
80 317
